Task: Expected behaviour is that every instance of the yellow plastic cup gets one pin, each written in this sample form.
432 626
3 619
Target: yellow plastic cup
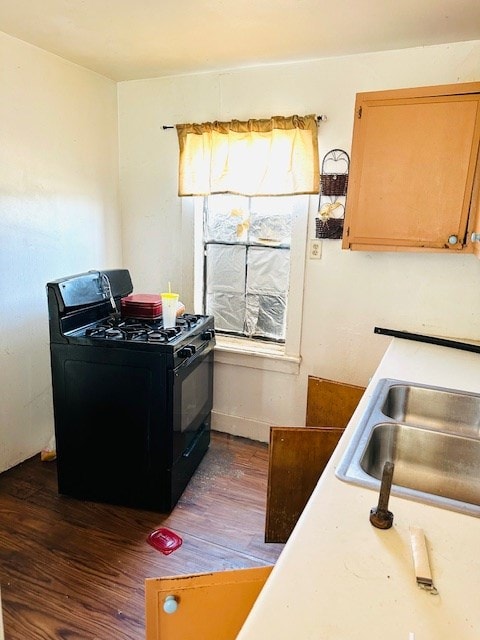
169 309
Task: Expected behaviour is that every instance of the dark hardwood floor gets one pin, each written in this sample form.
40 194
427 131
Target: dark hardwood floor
75 570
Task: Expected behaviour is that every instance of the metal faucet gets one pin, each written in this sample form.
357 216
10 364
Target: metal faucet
380 516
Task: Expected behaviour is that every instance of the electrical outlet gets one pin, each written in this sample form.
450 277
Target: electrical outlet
315 249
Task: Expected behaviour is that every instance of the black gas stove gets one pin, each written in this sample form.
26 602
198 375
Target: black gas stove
132 400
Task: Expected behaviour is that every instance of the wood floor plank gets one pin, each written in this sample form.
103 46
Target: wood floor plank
75 570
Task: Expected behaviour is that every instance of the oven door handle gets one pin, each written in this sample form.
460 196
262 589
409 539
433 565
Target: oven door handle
199 435
203 350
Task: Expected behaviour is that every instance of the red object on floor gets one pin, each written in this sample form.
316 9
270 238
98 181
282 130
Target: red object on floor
164 540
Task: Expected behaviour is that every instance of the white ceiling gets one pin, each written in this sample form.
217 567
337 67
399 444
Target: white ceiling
132 39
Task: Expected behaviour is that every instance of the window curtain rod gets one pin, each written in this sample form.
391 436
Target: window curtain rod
321 118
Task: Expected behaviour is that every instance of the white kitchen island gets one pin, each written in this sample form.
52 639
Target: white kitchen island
339 578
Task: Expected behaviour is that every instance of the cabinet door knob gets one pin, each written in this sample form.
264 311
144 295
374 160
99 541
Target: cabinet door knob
170 604
453 239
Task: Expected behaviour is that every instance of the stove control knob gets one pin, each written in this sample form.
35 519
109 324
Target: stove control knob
187 352
208 334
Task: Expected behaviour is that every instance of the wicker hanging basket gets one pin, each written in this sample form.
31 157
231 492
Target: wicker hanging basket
334 176
326 225
329 224
331 229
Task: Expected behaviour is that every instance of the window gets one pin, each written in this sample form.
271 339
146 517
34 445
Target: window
249 266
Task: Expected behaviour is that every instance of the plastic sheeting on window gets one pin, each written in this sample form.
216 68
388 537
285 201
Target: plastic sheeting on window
230 219
266 288
265 316
255 305
227 218
226 268
271 220
267 270
225 286
228 310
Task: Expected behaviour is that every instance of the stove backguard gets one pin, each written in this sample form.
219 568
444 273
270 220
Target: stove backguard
85 298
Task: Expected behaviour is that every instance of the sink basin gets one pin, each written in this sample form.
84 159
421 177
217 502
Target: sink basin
432 462
433 408
430 434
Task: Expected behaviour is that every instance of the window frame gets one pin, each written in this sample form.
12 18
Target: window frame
269 352
252 248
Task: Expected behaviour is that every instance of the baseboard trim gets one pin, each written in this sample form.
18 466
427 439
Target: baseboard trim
239 426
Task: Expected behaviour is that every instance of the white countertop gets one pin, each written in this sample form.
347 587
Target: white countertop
339 578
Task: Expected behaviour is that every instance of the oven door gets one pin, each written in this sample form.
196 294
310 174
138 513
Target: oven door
191 385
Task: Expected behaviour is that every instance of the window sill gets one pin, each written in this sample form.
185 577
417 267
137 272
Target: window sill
260 355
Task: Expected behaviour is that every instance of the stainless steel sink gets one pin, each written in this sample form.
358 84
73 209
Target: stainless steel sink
430 434
433 408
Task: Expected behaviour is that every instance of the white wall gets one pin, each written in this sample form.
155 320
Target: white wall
58 216
346 293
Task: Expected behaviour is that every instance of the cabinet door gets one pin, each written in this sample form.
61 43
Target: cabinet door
331 403
474 222
414 154
213 605
297 457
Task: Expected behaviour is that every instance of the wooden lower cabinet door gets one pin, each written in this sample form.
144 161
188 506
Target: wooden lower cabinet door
210 606
297 457
331 403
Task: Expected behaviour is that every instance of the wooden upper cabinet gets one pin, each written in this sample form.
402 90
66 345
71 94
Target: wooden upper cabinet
414 177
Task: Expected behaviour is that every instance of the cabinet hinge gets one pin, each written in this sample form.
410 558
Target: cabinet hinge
359 112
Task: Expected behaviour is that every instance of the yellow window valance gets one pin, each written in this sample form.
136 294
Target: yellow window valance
273 157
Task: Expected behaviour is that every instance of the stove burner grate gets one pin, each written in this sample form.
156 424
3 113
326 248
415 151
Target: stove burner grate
114 328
